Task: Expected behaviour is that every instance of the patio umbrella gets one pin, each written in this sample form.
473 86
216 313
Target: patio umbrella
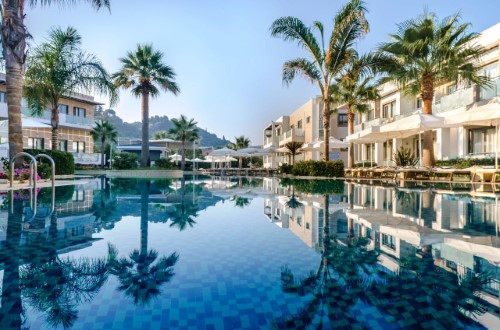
227 152
249 150
175 157
485 115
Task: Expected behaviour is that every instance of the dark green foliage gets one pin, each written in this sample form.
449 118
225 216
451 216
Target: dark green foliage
405 157
65 163
464 163
286 169
314 186
164 163
44 170
125 161
319 168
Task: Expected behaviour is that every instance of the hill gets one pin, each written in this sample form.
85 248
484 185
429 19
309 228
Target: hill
156 124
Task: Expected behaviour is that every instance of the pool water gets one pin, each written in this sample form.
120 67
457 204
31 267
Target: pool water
208 253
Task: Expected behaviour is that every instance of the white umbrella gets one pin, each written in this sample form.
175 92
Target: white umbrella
485 115
230 159
249 150
283 149
175 157
226 152
334 144
198 160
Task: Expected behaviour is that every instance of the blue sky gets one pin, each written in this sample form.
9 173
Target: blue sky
228 67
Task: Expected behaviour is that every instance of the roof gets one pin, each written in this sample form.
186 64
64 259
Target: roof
138 147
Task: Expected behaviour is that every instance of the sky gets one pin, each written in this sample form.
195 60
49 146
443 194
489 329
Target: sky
228 66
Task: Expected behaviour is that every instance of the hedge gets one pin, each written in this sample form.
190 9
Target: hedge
464 163
322 187
125 161
65 162
319 168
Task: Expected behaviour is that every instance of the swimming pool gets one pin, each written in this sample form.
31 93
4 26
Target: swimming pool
208 253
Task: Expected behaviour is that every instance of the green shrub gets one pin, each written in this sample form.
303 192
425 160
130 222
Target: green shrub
286 169
124 161
464 163
319 168
405 157
164 163
65 162
322 187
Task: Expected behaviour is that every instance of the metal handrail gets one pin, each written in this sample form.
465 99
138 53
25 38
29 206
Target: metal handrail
33 173
53 178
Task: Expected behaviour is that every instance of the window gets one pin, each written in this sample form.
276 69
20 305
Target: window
388 150
78 196
63 108
308 119
307 225
342 120
321 129
79 112
481 140
388 110
299 221
36 143
3 97
490 70
452 89
420 103
370 115
299 124
63 145
389 241
79 146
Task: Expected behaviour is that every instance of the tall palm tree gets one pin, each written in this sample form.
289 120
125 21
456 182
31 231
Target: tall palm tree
355 89
14 34
59 67
294 149
184 130
428 53
240 142
327 64
160 135
144 72
104 132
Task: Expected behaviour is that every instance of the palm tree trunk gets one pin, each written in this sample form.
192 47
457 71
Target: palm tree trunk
350 118
240 162
144 186
183 159
145 129
54 121
326 128
14 36
103 140
427 96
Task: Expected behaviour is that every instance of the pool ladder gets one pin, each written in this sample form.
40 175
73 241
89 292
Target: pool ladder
32 178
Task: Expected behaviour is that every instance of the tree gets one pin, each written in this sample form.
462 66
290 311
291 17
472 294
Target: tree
160 135
294 149
327 64
104 132
355 89
58 67
144 72
427 53
14 34
184 130
240 142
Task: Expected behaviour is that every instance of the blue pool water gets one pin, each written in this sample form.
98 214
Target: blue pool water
207 253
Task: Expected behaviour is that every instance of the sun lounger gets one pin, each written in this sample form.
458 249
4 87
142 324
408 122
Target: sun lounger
450 174
414 173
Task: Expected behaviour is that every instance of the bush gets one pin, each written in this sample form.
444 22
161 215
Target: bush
286 169
404 157
65 162
464 163
322 187
125 161
164 163
319 168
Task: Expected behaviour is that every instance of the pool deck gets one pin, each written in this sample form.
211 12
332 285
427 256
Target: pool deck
153 174
40 184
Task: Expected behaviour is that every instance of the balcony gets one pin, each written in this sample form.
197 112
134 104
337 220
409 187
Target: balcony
489 92
367 124
459 99
270 141
295 134
63 119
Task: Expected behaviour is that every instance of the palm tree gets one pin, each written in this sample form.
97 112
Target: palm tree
355 89
160 135
428 53
145 73
327 64
294 149
14 34
59 67
241 202
240 142
105 132
184 131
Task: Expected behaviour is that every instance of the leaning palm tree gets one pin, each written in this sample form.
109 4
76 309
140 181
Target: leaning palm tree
240 142
355 89
145 73
327 64
294 149
14 34
428 53
184 130
104 132
59 67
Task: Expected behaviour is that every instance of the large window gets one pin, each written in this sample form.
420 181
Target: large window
481 140
388 110
79 146
452 89
342 120
308 119
389 241
299 124
388 150
420 103
63 108
63 145
321 129
79 112
3 97
36 143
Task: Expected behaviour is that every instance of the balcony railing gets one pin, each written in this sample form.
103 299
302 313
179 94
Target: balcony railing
294 134
367 124
459 99
489 92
